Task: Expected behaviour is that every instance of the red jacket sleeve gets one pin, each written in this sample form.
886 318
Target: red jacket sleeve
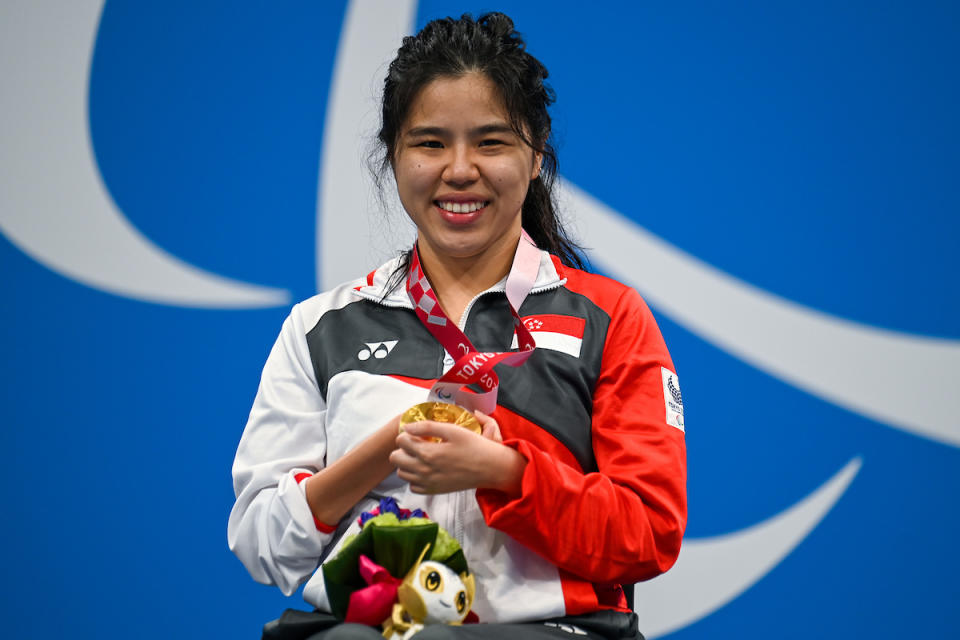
623 523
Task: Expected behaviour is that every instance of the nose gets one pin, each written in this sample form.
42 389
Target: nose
461 168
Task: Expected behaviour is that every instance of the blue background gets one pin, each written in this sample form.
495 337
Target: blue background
810 149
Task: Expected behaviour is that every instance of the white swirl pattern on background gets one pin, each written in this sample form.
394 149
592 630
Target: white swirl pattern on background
854 366
54 205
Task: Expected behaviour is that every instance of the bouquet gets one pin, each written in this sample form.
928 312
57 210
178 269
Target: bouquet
400 572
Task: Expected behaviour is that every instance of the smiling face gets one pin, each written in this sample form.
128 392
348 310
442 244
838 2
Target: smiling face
461 171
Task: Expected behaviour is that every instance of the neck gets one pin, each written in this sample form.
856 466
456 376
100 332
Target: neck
456 281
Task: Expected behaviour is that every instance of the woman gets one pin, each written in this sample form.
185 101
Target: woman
577 483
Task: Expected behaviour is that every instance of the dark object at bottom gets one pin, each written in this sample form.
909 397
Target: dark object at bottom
609 625
297 625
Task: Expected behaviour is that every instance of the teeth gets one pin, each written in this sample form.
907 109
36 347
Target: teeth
462 207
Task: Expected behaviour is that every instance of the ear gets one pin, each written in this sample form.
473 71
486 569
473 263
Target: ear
411 575
471 586
412 601
537 165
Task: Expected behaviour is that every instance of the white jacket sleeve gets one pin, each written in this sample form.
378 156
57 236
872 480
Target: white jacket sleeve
271 527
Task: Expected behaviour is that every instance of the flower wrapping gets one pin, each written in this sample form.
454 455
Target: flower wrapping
391 540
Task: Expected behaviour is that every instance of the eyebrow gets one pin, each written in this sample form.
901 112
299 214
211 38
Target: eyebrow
484 130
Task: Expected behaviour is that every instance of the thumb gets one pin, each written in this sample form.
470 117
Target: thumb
491 430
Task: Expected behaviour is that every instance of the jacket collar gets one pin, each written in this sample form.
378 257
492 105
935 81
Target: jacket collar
549 276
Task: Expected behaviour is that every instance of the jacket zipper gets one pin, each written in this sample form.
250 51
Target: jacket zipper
458 517
466 311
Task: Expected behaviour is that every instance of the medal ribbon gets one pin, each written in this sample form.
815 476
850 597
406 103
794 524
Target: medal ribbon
472 366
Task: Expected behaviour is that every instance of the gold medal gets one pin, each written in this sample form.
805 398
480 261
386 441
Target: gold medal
441 412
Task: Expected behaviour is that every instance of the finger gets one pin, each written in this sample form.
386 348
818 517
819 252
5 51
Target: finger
429 429
404 441
407 463
410 429
400 458
412 444
418 482
414 477
490 428
411 478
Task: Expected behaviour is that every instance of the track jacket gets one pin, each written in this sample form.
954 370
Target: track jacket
596 411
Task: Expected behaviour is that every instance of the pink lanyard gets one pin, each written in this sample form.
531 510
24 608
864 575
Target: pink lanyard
475 366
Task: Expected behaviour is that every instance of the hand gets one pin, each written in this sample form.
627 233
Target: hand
462 460
491 430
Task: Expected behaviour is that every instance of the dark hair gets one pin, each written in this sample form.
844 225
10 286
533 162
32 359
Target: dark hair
488 45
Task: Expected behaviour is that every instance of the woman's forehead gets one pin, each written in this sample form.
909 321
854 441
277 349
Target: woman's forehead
470 99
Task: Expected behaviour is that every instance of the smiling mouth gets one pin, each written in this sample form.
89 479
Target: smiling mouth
461 207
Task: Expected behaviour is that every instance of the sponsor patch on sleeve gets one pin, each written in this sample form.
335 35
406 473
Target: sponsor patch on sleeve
672 398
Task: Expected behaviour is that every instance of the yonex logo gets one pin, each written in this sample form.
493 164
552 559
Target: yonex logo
378 350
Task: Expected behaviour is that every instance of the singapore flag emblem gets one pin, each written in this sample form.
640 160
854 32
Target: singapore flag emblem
556 332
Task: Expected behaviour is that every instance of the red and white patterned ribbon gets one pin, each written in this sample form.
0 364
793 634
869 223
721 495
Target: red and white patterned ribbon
472 366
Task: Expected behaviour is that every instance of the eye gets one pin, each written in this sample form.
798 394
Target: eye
431 579
430 144
492 142
461 602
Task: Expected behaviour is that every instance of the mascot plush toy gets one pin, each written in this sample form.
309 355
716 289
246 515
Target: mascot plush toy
401 572
431 593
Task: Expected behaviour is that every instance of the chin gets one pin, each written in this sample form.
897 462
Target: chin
459 247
